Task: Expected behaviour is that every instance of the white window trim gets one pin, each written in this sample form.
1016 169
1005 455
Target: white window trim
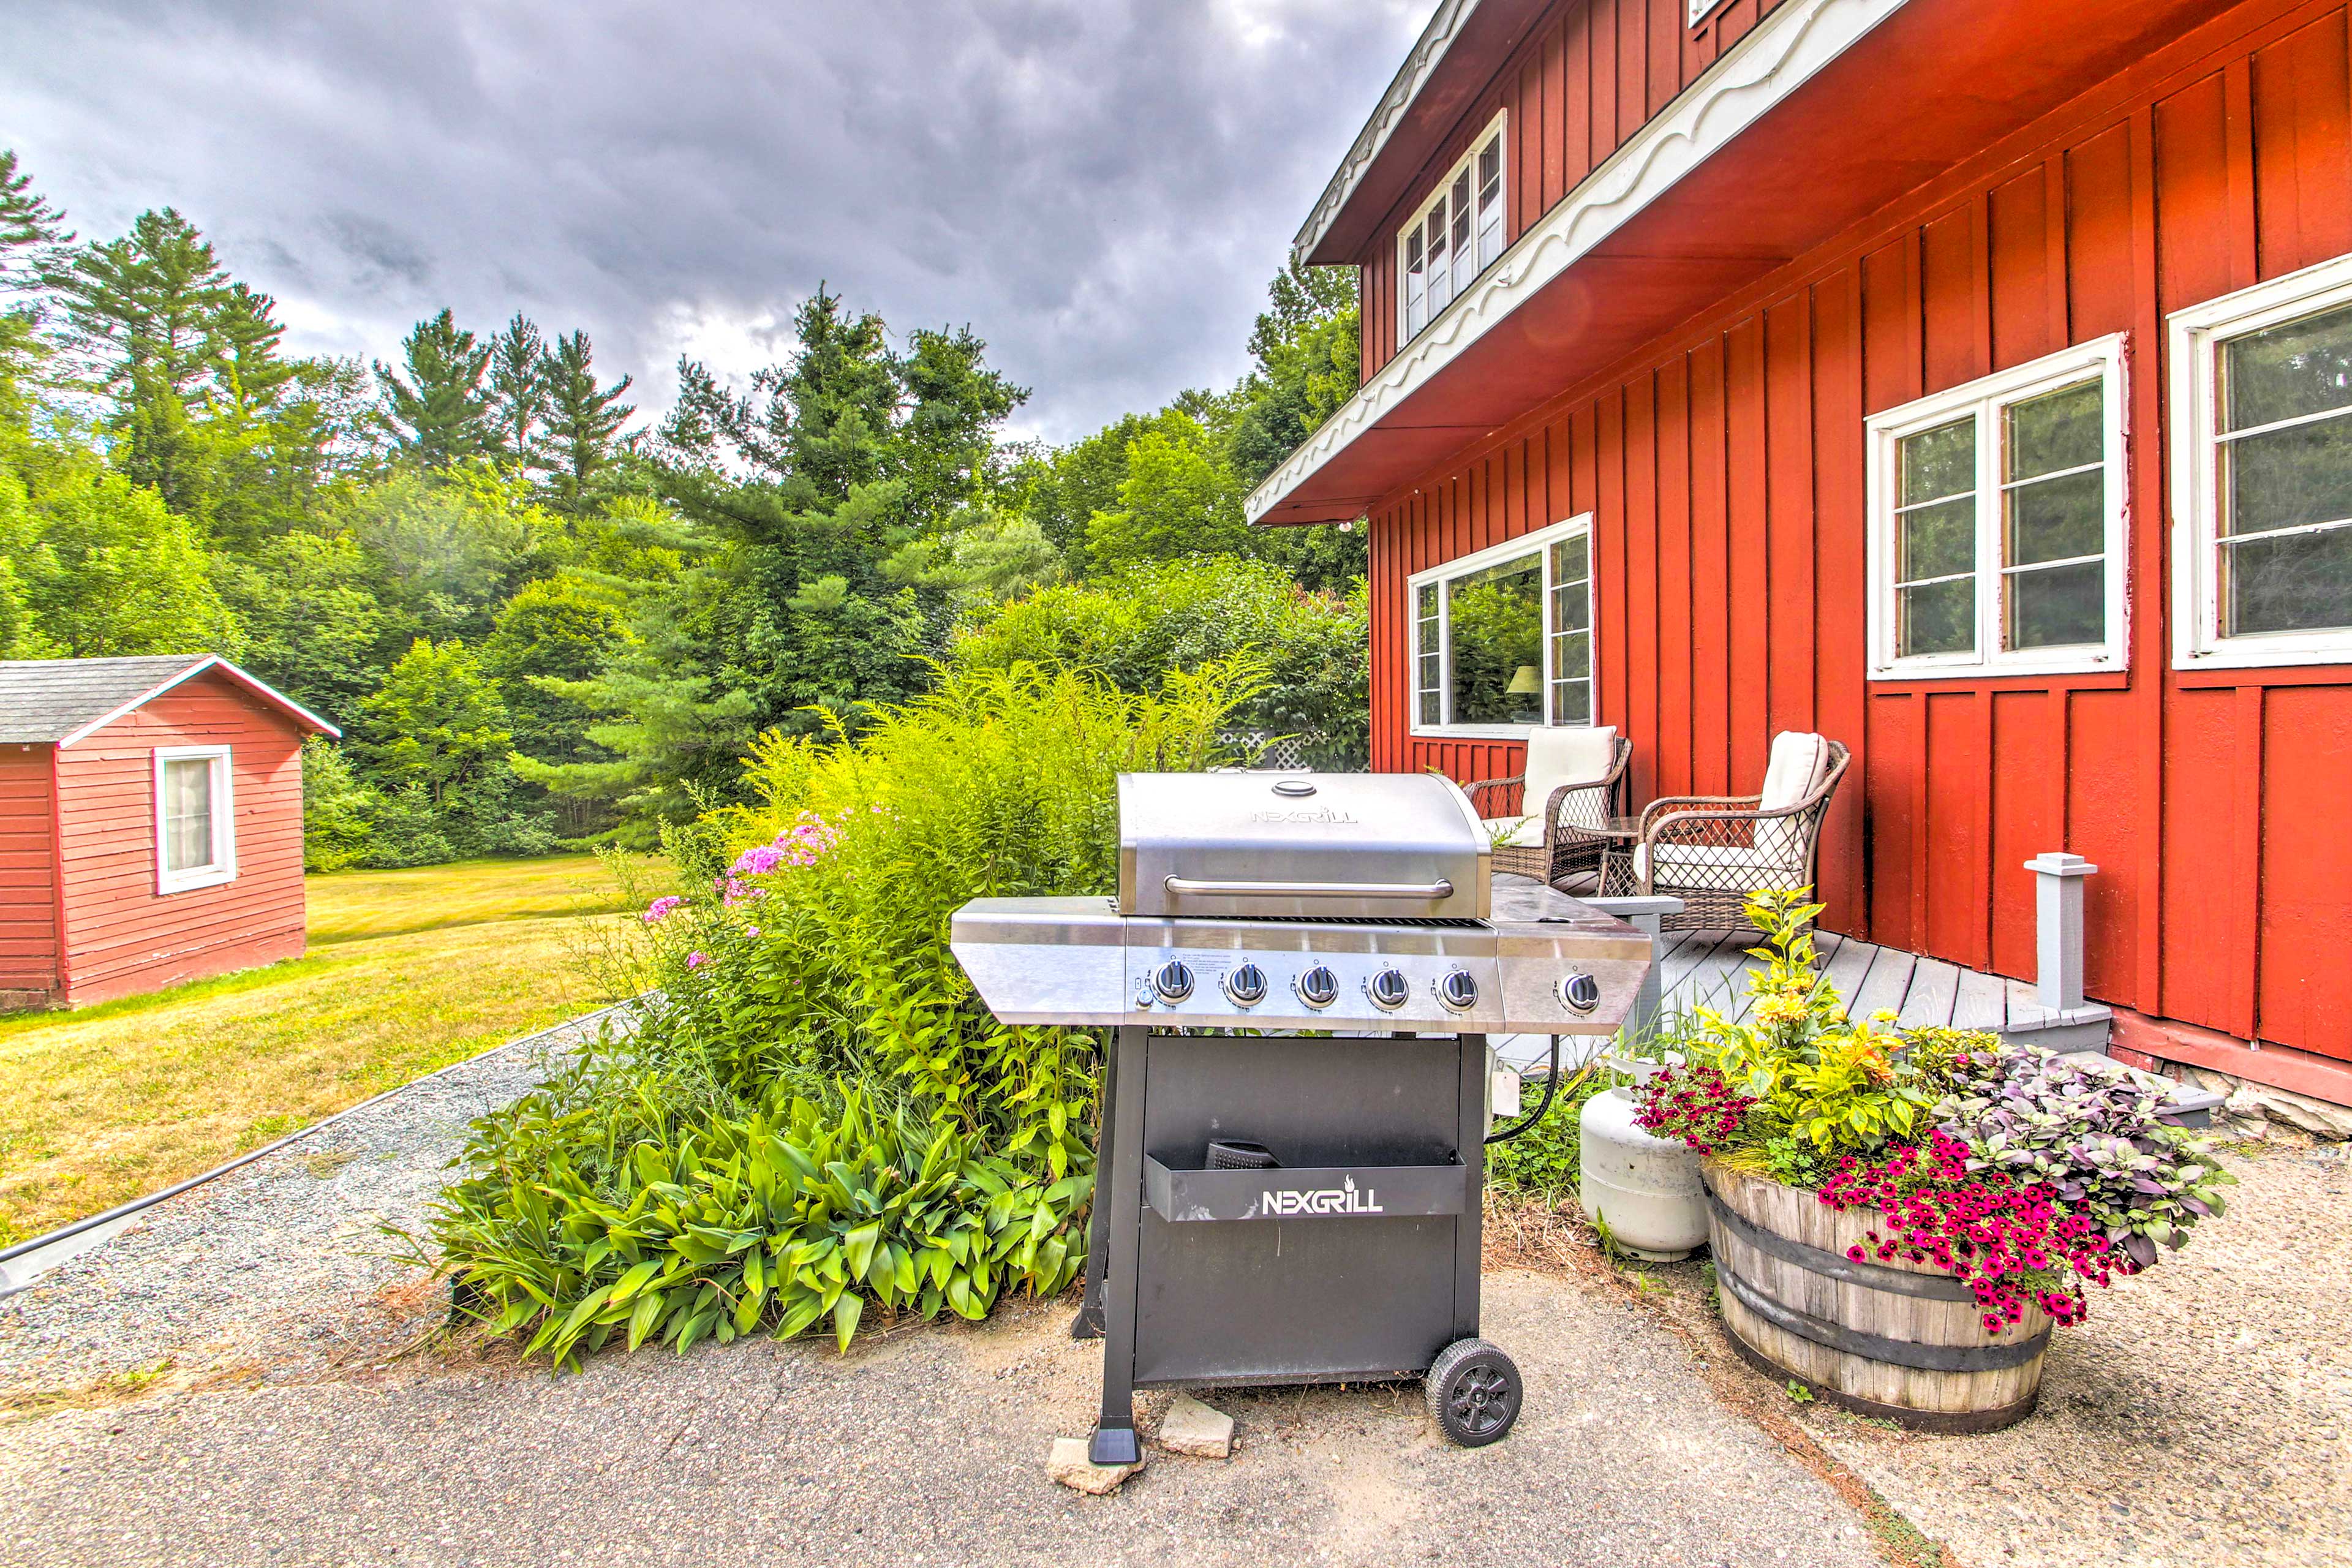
2105 358
1437 192
222 867
1538 544
1699 8
2197 333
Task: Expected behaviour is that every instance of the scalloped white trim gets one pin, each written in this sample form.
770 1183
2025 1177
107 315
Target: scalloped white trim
1780 56
1411 77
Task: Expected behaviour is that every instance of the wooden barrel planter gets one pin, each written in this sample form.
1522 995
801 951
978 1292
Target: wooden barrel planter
1901 1341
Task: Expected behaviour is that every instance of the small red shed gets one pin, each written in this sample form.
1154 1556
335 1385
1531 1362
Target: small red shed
150 825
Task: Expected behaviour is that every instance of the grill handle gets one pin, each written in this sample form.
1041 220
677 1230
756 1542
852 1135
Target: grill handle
1441 888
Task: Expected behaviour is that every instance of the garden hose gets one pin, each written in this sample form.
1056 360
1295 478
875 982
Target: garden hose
1551 1088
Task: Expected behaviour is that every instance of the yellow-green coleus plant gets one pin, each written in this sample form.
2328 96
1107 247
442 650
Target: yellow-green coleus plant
1823 1081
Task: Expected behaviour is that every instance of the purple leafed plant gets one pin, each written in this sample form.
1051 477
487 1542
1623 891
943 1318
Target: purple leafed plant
2094 1139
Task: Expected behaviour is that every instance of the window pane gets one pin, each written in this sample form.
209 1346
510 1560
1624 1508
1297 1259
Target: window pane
1570 560
2298 584
2284 479
2058 607
1490 172
2062 430
1571 655
1495 624
1461 207
1572 703
1940 462
1937 541
1413 252
2296 367
187 813
2056 518
1437 231
1939 618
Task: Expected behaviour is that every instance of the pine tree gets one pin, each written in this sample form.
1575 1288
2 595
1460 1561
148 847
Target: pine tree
518 404
582 420
438 411
143 316
31 231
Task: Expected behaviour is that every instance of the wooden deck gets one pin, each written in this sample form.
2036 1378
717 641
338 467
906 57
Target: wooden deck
1710 968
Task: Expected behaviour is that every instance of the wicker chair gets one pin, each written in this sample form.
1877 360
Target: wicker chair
1547 848
1712 851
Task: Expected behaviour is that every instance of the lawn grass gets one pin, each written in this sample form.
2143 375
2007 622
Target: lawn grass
408 971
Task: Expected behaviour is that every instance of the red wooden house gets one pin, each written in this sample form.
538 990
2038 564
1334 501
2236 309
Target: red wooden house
1969 381
150 825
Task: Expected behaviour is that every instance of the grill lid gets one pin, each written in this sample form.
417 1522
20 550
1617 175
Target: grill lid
1272 846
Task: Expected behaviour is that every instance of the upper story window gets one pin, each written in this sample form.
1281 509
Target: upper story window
2262 483
196 829
1997 535
1503 639
1455 236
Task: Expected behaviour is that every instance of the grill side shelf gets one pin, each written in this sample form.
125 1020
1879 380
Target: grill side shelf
1335 1192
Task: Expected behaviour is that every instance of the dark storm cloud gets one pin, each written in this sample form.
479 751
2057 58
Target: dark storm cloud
1099 187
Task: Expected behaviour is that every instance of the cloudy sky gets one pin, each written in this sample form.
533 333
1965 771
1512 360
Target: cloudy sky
1100 187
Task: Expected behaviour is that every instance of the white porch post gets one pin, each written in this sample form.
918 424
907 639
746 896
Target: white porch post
2058 916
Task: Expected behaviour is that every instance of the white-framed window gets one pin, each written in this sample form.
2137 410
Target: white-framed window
1455 236
2261 474
1997 523
1503 639
195 818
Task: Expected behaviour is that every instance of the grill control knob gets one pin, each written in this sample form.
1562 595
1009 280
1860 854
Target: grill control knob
1458 990
1318 987
1174 981
1580 992
1388 990
1246 986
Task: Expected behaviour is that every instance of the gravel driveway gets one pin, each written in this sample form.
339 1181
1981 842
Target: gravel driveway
278 1269
927 1448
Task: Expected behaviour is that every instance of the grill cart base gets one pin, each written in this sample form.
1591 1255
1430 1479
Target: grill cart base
1355 1260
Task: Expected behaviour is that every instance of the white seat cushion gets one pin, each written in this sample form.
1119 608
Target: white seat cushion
1526 831
1800 761
1558 755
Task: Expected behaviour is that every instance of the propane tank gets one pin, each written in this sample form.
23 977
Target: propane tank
1647 1188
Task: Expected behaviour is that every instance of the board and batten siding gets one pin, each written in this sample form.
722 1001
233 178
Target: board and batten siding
1725 470
28 902
123 937
1588 75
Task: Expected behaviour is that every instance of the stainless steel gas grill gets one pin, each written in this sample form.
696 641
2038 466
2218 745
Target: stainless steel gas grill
1333 1234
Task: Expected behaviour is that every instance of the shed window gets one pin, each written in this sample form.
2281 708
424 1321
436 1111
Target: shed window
2262 479
1998 545
1503 639
1455 236
195 836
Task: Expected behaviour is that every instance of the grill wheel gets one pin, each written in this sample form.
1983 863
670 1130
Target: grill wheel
1473 1392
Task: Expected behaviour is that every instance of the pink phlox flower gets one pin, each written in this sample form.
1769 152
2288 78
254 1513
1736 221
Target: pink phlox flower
658 910
697 959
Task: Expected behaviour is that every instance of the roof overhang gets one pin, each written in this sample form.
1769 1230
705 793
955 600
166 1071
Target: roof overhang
212 661
1827 111
1465 43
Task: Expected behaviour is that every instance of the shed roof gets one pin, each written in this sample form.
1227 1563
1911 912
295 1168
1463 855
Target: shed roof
61 701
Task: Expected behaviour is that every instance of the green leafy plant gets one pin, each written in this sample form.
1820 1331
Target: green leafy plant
1821 1084
1543 1161
798 1213
817 1116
